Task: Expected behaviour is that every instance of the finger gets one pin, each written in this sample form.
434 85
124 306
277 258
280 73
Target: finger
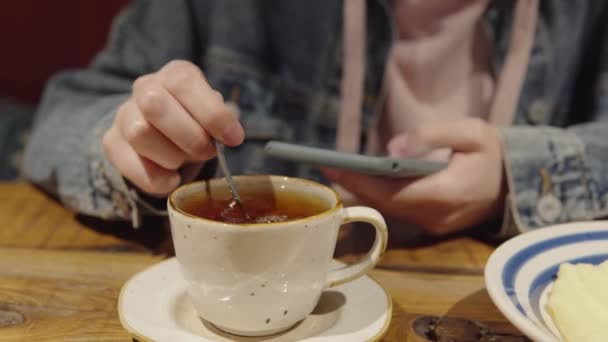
160 109
465 135
400 147
147 141
188 85
435 188
145 174
368 188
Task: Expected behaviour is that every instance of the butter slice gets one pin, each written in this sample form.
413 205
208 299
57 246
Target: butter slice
578 302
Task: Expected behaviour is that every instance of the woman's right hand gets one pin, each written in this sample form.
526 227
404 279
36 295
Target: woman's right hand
171 118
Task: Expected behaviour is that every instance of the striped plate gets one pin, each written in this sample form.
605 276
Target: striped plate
520 273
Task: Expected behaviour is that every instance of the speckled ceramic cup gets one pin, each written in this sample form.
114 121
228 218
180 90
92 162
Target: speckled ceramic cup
261 279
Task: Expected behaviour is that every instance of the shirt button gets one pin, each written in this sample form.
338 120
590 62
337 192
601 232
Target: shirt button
538 112
549 208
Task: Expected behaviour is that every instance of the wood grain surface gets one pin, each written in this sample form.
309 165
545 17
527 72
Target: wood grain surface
60 274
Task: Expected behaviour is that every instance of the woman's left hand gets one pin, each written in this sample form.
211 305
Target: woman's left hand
471 190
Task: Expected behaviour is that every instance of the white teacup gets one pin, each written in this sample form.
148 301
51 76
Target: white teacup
261 279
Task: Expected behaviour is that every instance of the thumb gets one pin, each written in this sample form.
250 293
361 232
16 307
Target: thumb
399 147
463 135
403 146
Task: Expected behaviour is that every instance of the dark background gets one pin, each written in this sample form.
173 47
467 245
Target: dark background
37 39
41 37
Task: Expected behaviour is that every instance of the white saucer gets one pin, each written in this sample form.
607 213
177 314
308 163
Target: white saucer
153 306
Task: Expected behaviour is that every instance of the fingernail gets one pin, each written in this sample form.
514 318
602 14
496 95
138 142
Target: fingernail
233 134
399 146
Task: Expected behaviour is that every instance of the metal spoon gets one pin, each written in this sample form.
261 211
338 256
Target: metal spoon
235 194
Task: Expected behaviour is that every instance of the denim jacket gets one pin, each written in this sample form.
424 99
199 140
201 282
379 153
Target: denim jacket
283 59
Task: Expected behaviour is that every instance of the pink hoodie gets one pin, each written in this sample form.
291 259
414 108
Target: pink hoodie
439 68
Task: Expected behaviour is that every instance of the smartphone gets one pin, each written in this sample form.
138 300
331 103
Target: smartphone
371 165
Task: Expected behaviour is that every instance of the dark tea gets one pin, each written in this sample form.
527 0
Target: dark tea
260 207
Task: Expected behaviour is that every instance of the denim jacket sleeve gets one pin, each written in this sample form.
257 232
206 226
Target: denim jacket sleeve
64 154
560 174
555 175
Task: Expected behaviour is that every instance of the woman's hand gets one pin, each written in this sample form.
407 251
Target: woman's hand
469 191
170 119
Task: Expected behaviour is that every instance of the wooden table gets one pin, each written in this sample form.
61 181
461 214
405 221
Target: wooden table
60 274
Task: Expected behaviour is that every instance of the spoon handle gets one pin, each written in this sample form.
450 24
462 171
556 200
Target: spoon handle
224 166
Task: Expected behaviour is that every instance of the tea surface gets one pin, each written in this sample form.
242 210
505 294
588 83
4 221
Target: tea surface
261 208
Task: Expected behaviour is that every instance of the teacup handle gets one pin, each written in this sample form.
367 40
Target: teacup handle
354 271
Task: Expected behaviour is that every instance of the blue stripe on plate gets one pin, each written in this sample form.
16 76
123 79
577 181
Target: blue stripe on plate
545 277
515 263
